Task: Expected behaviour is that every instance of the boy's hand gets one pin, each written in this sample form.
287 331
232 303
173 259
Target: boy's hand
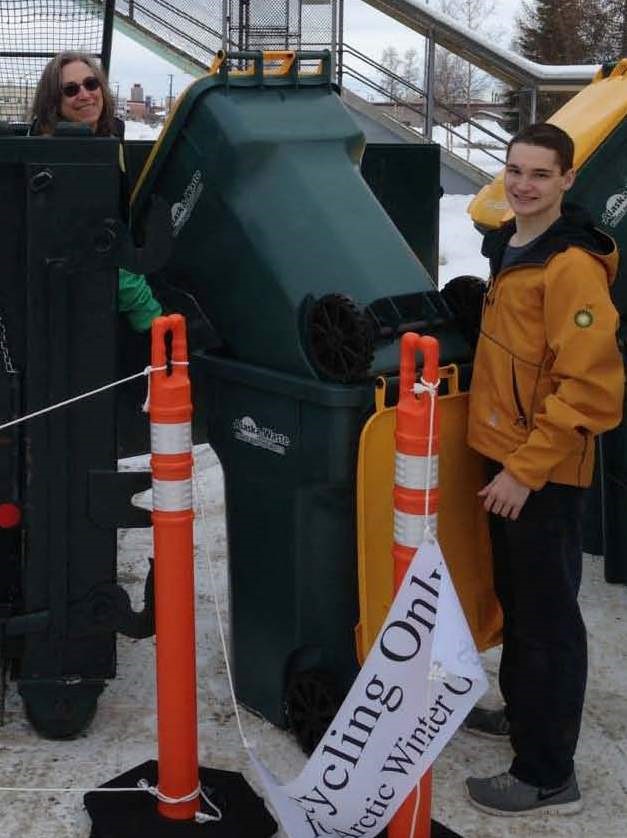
504 496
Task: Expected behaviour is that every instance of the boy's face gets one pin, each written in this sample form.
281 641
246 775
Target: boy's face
534 183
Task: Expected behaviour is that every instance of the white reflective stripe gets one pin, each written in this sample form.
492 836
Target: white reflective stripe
171 495
170 439
411 472
409 530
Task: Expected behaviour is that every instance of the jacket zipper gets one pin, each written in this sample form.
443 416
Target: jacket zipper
521 418
494 280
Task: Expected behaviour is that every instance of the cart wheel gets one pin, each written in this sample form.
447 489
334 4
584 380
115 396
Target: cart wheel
58 713
311 703
341 344
464 295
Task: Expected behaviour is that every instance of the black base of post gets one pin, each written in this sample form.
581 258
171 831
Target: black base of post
134 815
440 831
437 831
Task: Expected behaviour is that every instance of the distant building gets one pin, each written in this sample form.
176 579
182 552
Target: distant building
136 105
15 101
136 111
137 93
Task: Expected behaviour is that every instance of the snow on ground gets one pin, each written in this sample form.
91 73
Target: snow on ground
122 734
141 131
460 243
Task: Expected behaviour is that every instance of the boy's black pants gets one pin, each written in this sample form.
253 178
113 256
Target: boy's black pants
537 573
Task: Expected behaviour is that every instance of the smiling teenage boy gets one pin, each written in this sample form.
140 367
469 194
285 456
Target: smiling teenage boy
547 378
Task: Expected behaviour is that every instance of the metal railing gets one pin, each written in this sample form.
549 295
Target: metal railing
197 28
181 26
404 99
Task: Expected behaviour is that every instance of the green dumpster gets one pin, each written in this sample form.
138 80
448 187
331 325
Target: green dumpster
288 447
297 287
278 239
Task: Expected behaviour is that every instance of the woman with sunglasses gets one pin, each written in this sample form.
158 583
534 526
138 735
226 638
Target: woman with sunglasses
73 88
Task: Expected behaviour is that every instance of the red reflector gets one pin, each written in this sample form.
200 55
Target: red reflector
10 515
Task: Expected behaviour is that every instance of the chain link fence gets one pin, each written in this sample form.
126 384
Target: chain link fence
33 31
199 28
191 27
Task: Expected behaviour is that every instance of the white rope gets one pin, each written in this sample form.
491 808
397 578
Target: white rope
50 790
142 786
432 389
205 817
78 398
209 559
146 404
145 372
412 831
200 817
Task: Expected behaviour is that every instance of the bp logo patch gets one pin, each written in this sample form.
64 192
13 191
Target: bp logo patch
583 318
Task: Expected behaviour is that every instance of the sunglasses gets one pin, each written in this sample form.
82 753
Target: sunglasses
72 88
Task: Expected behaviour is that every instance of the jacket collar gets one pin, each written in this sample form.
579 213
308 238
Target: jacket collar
574 228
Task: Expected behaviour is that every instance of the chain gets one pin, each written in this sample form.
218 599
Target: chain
4 348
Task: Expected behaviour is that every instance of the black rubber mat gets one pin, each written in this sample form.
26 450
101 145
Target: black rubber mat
133 815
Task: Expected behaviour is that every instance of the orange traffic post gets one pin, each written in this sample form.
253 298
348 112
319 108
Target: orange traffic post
172 517
184 790
415 509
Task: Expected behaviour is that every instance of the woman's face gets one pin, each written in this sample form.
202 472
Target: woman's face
78 103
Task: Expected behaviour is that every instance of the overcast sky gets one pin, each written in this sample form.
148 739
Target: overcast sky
364 28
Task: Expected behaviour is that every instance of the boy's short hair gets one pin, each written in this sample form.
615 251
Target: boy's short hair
547 136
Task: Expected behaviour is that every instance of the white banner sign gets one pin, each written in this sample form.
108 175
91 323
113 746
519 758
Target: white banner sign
420 680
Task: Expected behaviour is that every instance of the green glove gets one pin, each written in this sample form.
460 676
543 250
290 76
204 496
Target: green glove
136 301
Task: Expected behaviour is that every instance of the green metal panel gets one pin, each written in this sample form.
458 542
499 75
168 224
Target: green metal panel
59 312
406 179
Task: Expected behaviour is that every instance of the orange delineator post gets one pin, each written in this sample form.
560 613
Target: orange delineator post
171 463
415 507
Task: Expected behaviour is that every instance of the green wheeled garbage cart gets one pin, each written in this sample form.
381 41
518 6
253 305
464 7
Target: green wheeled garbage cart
297 286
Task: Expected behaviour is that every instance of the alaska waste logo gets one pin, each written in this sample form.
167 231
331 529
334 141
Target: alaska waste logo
246 430
182 210
615 208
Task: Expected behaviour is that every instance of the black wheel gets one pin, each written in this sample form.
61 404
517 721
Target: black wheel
59 711
340 339
311 702
464 295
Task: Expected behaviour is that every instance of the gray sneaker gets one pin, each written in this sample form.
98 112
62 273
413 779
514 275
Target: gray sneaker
490 724
508 796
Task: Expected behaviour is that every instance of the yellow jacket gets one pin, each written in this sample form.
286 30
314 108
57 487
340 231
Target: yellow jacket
547 374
